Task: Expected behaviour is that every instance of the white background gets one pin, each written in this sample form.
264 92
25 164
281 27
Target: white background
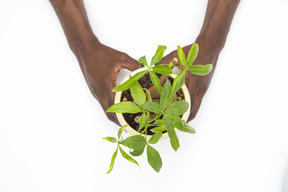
51 126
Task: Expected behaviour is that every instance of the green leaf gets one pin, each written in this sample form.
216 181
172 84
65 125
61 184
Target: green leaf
121 131
178 107
162 70
154 158
158 55
143 61
112 161
178 123
171 132
149 94
126 156
156 82
143 119
166 99
200 69
135 142
181 56
159 129
137 93
192 54
127 84
187 128
152 107
178 82
137 152
155 138
111 139
159 122
124 107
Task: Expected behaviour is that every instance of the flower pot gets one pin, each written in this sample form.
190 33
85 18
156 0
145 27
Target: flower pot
132 131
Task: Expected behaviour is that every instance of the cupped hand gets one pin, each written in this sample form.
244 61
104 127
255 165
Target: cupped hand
100 66
197 85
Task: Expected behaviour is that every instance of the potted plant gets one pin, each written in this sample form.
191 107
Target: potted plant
152 103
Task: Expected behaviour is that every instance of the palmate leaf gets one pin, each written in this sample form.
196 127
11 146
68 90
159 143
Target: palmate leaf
200 69
162 70
156 82
154 158
178 82
127 84
112 161
143 61
126 156
166 99
143 119
124 107
136 152
135 142
152 107
155 138
168 120
177 108
137 93
181 56
192 54
158 55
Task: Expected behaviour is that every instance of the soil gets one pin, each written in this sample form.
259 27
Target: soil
146 83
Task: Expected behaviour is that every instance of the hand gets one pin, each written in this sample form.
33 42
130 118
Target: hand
100 66
197 85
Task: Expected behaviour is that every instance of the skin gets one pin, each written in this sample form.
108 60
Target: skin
101 64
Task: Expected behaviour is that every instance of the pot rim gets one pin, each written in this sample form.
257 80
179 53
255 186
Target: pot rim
132 131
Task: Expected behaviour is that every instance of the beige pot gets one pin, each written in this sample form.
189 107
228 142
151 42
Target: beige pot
133 131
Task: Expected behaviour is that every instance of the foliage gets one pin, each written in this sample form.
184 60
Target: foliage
167 111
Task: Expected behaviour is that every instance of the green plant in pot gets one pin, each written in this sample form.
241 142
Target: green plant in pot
152 104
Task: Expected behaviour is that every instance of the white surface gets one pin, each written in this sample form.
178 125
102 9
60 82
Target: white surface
51 127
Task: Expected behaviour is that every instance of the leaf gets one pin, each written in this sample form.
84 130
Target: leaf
187 128
137 93
178 123
166 99
159 122
158 55
143 61
121 131
181 56
178 82
112 161
149 94
159 129
126 156
127 84
200 69
162 70
192 54
177 107
111 139
135 142
143 119
152 107
154 158
124 107
137 152
156 82
171 132
155 138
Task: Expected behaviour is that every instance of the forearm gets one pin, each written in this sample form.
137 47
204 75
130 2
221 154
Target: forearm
218 18
74 21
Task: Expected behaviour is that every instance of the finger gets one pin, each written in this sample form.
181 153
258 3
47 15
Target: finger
196 107
128 62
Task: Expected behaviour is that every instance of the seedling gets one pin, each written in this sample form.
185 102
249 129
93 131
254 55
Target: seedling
161 116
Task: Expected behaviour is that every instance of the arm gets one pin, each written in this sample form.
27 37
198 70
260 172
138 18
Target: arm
211 40
100 64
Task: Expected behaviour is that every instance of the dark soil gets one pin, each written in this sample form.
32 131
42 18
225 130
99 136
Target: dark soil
146 83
